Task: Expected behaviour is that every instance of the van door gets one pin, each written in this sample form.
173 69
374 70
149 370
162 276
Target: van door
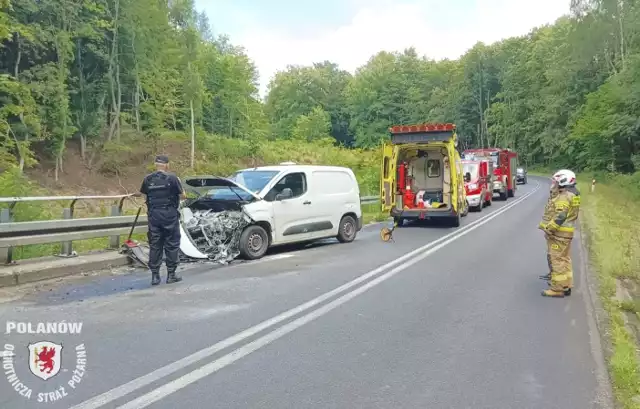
334 193
388 177
291 212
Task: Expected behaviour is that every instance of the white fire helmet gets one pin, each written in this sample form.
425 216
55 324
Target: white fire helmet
564 178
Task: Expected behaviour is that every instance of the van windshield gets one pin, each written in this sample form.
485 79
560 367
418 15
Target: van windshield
254 180
471 168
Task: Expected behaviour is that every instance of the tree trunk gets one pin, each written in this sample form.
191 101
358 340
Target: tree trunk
622 45
16 72
119 99
114 81
486 121
63 107
136 101
193 135
83 104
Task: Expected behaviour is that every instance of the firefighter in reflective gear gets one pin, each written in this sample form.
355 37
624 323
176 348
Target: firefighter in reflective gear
546 218
163 191
560 230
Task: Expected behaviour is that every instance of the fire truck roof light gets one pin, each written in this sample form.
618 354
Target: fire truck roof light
397 129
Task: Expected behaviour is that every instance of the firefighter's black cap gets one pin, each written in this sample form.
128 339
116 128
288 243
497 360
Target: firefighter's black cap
162 159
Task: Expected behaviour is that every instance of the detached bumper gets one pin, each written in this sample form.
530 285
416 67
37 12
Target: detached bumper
474 200
422 214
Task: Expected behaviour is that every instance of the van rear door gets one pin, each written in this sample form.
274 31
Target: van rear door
388 177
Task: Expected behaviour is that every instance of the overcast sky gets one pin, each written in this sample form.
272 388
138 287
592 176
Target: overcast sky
276 33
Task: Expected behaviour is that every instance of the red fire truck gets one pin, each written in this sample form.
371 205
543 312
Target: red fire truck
505 163
478 183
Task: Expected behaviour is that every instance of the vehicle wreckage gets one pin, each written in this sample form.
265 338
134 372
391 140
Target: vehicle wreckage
215 236
245 214
210 226
213 223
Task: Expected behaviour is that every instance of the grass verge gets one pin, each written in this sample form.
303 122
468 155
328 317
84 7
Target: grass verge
609 219
371 213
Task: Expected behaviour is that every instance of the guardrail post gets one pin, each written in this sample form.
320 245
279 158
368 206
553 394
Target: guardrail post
6 253
66 250
114 241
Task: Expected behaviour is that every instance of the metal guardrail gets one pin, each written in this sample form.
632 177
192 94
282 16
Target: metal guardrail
68 229
369 199
63 230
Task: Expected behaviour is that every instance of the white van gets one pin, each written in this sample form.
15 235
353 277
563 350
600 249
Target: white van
284 204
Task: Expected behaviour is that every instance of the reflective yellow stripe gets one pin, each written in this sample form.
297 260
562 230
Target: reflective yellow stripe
558 277
562 205
566 228
542 225
575 201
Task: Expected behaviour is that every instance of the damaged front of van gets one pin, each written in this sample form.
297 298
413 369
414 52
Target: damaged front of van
227 218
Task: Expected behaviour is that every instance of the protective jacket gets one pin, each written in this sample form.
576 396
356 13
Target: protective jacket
566 208
161 192
549 209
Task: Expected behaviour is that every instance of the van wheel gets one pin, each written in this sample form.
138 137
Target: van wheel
504 196
254 242
347 230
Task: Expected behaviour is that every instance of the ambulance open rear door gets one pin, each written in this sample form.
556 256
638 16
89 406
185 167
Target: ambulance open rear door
388 177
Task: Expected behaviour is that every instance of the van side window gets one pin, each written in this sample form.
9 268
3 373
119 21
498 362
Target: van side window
433 168
297 182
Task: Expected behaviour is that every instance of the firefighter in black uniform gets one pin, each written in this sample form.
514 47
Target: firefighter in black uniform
163 191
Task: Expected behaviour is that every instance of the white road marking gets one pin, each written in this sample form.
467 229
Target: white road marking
407 260
191 377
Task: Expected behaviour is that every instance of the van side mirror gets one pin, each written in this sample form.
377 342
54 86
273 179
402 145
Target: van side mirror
285 194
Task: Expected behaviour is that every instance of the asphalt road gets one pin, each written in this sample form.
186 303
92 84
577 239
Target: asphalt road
440 318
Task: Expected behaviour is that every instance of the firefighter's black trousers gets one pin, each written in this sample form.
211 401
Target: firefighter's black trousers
163 236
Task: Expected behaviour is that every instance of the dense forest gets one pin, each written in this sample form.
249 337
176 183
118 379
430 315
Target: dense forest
91 72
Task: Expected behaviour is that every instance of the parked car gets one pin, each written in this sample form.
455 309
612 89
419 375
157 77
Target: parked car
521 176
261 207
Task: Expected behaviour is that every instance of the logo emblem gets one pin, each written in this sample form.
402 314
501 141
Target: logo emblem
44 359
